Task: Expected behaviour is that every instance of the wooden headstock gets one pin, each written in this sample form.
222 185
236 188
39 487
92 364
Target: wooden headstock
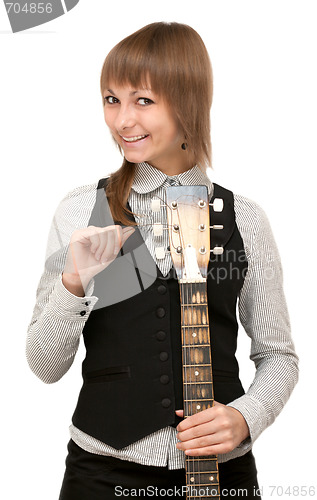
188 226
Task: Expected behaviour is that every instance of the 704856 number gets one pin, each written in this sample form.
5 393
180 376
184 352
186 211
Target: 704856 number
293 491
30 8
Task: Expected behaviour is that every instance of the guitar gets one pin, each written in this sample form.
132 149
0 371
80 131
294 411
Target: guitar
189 236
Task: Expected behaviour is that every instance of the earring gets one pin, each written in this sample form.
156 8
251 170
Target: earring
184 146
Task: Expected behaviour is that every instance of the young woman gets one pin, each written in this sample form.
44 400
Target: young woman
109 276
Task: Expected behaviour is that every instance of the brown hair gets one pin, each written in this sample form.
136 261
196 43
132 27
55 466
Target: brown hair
173 59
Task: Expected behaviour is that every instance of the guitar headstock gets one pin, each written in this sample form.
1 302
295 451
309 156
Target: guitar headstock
188 227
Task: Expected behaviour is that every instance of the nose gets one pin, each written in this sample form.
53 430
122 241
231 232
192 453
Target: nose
125 117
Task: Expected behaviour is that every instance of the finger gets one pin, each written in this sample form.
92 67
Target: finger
179 413
218 404
197 431
108 246
199 418
118 239
87 237
203 441
103 238
127 231
216 449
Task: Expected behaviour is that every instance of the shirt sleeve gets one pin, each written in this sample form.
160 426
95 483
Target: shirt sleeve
59 317
264 316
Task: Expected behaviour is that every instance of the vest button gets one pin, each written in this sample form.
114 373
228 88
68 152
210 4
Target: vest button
166 403
161 335
164 379
163 356
161 289
82 313
160 312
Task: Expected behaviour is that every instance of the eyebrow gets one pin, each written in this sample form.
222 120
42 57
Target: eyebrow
131 93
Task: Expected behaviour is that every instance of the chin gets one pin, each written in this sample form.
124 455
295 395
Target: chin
134 158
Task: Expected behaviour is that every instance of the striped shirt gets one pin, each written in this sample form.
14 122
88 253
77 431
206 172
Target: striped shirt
57 323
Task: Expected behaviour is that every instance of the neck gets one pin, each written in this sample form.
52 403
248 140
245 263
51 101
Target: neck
173 162
172 168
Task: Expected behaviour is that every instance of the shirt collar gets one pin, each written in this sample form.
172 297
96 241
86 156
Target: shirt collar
148 178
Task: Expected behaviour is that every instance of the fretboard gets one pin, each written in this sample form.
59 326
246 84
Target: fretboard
202 477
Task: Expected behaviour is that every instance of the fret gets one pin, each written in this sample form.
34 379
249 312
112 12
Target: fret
199 383
200 472
194 304
209 399
195 294
197 345
193 407
196 357
199 391
195 326
203 478
197 373
209 466
202 364
195 336
190 319
204 459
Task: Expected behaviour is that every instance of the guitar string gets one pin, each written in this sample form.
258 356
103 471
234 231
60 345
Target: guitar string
184 297
193 355
187 378
203 299
192 462
184 350
183 335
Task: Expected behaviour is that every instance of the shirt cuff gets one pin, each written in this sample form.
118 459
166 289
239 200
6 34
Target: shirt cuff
254 414
69 306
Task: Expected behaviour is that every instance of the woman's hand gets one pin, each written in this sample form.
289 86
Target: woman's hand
91 250
216 430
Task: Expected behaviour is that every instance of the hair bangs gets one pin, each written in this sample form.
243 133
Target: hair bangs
134 63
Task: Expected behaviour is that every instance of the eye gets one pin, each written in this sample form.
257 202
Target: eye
110 99
144 101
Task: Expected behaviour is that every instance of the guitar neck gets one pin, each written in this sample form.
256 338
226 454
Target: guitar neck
202 477
189 236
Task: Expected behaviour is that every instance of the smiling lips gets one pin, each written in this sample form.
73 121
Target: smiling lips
134 139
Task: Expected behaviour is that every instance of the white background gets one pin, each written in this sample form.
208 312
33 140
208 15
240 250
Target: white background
53 138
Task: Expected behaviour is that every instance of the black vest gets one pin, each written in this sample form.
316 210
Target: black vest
132 372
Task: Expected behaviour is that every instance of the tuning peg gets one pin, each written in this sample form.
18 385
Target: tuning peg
216 226
217 250
217 205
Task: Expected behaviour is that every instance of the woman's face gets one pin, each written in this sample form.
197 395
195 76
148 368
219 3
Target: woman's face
145 128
